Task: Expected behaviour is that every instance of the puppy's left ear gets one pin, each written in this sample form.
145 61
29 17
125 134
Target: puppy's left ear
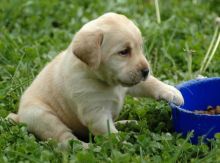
87 46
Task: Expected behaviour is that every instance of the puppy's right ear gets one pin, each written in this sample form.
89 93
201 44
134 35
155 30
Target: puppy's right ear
87 46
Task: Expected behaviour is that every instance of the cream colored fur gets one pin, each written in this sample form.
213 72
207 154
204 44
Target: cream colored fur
85 85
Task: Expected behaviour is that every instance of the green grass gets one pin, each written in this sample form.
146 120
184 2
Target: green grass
33 32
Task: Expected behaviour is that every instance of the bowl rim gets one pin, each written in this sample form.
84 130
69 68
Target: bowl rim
190 82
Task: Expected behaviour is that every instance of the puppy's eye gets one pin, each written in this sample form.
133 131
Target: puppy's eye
125 52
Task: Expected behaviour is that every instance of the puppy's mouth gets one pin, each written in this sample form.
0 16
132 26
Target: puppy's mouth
124 84
130 84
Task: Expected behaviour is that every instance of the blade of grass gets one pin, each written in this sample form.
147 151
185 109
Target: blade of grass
208 51
141 155
189 60
213 52
157 11
165 52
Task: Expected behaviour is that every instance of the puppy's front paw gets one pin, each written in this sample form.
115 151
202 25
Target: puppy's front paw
85 145
171 94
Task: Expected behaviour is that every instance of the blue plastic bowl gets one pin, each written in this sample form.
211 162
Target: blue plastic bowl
198 95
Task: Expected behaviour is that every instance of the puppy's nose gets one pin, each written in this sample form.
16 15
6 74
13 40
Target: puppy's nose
145 72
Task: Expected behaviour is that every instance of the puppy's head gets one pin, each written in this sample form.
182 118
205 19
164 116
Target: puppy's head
112 46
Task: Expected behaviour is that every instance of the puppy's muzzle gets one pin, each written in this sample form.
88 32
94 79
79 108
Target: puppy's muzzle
145 73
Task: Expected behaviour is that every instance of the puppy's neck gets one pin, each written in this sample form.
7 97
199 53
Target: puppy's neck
74 64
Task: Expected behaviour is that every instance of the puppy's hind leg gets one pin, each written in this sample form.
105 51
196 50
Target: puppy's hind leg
45 124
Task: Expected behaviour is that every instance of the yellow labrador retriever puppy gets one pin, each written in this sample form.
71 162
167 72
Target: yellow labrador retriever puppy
85 85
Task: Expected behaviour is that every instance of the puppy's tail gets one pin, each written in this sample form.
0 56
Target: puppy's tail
14 117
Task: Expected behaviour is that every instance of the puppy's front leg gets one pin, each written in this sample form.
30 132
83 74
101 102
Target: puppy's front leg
100 122
154 88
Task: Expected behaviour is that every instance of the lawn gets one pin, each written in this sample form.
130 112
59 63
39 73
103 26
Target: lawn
33 32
